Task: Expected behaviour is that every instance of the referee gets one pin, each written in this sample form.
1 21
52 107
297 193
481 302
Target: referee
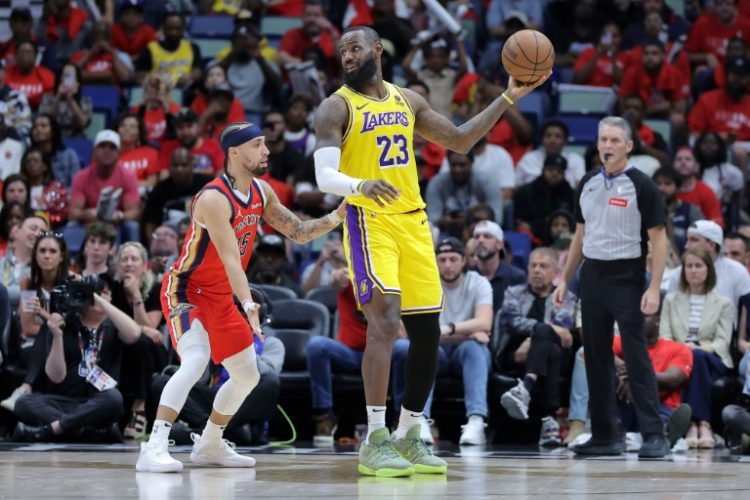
618 210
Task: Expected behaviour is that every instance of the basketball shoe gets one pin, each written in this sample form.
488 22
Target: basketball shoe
217 452
413 449
155 457
378 457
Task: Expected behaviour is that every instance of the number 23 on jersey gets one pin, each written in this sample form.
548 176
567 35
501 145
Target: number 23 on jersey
394 151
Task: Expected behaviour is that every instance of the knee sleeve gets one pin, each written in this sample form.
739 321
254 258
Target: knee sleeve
243 377
422 359
194 352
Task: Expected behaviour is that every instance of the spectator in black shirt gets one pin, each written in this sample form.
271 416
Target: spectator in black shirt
283 159
268 264
65 405
173 193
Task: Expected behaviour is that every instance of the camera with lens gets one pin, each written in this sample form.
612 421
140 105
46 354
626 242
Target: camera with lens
72 296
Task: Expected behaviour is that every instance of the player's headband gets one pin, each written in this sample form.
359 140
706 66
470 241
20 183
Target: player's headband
236 134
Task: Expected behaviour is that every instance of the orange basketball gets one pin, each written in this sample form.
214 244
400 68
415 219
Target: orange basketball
528 55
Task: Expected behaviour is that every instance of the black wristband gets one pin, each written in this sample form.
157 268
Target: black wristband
453 328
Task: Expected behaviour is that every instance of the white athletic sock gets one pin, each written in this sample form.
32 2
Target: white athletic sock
160 431
213 431
406 421
375 419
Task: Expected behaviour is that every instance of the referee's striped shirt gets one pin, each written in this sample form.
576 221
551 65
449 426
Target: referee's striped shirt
618 212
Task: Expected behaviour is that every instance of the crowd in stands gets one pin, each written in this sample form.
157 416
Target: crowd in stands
110 111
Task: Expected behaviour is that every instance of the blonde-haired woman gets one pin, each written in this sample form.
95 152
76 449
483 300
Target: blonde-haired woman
702 319
136 292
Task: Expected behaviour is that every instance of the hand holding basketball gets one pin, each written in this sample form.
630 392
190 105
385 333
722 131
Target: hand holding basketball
528 57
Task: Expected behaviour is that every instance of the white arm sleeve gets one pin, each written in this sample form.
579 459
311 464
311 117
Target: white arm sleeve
327 174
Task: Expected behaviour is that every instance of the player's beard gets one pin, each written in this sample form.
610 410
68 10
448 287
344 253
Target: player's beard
257 170
362 75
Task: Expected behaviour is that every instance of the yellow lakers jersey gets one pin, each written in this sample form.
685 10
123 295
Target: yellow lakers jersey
377 144
172 64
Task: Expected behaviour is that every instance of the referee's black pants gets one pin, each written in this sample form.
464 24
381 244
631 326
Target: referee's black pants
611 291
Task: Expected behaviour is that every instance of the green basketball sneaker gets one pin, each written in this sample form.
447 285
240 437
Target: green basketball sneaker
378 457
415 451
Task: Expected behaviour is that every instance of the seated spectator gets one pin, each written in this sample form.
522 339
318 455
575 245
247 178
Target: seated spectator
736 49
11 151
16 265
164 250
495 163
173 56
14 108
707 41
298 133
45 193
283 159
603 65
533 202
26 77
540 338
732 279
554 139
491 264
306 196
207 154
97 250
136 155
693 190
646 141
16 190
389 26
465 329
215 78
64 162
559 224
680 214
157 109
436 72
102 63
724 178
500 12
450 195
63 28
652 28
170 199
255 80
64 404
725 110
478 213
669 23
11 216
131 34
316 30
135 292
660 84
701 318
320 272
220 99
574 27
257 409
343 354
86 204
737 247
268 264
21 24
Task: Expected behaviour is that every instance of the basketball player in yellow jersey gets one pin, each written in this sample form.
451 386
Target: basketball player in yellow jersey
364 152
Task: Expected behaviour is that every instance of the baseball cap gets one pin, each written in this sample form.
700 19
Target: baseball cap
186 115
519 15
271 242
221 89
448 245
556 161
489 227
709 230
107 136
738 66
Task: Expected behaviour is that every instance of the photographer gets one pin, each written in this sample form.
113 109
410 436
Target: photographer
82 342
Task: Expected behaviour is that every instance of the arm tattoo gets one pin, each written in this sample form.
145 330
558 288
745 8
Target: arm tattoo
330 119
438 129
291 226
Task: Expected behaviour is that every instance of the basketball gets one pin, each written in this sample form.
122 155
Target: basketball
528 55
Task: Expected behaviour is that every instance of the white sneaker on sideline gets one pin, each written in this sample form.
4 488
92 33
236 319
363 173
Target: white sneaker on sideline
217 452
425 431
155 457
473 433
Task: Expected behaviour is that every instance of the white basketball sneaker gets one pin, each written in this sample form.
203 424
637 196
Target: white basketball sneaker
217 452
155 457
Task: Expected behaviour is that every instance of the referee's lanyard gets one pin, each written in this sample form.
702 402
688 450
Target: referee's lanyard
89 351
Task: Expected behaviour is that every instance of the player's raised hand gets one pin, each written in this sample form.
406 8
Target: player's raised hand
380 191
517 90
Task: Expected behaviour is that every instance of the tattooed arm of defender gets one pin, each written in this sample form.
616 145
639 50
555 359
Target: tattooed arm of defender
438 129
294 228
